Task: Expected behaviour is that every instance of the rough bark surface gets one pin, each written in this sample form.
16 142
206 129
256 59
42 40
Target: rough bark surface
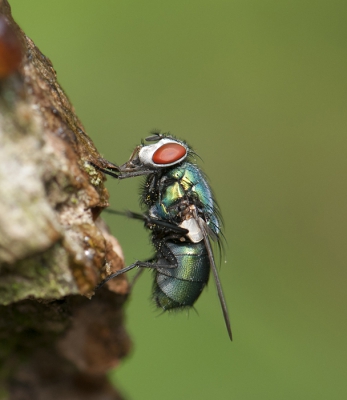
57 340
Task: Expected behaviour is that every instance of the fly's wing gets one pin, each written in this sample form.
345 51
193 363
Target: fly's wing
204 230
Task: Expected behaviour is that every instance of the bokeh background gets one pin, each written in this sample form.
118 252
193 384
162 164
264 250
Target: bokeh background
259 89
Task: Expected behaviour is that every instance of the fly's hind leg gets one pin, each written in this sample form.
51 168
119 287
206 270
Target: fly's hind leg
164 253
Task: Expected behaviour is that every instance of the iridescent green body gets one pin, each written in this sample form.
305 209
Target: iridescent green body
184 182
180 287
165 194
182 215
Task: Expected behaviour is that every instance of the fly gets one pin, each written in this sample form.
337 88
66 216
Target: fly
182 215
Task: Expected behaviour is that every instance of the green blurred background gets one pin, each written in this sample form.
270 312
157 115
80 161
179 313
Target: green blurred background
259 89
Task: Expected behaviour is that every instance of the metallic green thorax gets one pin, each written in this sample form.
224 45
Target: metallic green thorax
185 181
180 287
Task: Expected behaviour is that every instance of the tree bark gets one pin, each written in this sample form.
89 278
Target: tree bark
57 339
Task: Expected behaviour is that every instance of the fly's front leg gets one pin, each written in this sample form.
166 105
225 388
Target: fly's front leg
108 168
132 174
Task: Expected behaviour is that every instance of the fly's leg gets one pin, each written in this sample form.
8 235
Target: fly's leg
141 265
163 252
115 274
172 232
108 168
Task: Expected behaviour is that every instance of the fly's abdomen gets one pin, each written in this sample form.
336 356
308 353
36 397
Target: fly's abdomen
180 287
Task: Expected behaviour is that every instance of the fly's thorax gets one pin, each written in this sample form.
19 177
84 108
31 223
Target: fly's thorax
179 194
158 212
193 183
198 189
172 196
173 186
186 183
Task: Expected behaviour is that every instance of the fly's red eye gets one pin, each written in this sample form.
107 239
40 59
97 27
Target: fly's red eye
169 153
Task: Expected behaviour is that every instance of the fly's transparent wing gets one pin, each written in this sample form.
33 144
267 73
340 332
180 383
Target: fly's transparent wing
223 304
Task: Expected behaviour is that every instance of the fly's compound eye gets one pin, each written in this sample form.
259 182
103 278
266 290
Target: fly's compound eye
169 153
165 153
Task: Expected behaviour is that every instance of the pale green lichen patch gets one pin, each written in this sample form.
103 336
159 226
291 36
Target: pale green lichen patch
43 277
93 173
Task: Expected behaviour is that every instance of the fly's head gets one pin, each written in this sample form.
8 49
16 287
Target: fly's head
148 159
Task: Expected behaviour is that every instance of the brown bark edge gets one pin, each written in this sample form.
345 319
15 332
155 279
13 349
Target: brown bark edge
56 340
